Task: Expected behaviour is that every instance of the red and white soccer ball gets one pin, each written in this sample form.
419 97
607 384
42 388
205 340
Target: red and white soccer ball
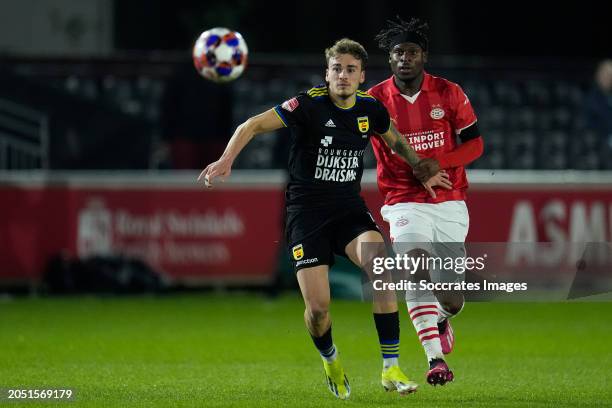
220 54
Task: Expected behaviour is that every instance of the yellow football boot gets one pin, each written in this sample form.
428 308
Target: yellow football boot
337 382
394 379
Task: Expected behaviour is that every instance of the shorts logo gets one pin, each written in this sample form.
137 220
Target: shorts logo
402 222
363 123
437 113
326 141
298 252
307 261
290 105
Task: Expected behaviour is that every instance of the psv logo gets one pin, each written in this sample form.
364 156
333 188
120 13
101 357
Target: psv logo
402 222
363 124
436 113
298 252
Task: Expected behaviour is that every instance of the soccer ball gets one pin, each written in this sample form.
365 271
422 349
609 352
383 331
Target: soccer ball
220 54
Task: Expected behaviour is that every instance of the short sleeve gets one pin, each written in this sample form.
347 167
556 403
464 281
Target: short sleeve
464 115
293 112
382 121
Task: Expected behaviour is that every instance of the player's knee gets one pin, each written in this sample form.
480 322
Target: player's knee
372 257
417 253
420 273
453 306
316 313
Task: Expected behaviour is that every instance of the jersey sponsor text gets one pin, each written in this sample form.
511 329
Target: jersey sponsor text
337 164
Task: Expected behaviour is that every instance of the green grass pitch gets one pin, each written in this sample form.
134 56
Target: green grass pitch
247 350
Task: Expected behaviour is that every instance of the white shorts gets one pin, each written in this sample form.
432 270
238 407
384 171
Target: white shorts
440 229
443 222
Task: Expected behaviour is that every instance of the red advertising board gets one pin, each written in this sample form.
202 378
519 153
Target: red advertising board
230 234
234 233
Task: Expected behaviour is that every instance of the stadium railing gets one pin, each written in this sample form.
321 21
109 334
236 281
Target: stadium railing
24 137
530 110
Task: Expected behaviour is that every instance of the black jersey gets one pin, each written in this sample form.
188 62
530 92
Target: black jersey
326 155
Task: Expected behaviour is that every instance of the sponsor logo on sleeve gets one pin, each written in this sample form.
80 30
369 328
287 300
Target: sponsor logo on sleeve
290 104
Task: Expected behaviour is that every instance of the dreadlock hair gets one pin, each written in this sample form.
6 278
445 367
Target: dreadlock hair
415 30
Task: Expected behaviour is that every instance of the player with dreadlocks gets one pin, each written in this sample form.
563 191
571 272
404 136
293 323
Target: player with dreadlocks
438 121
331 126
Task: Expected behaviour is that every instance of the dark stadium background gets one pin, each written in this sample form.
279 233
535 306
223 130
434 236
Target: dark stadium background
122 278
517 28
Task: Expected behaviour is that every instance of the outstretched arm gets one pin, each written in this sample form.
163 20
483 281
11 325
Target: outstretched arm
262 123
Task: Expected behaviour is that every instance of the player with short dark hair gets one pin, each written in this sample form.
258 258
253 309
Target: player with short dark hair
433 115
331 126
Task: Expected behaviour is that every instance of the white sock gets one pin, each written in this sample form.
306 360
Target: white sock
390 362
329 355
423 312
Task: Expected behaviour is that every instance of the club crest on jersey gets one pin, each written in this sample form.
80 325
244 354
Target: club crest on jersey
326 141
363 123
436 112
298 252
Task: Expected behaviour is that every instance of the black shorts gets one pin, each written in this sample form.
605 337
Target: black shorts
313 237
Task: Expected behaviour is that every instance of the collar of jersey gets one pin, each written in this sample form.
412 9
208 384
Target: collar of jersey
425 86
326 94
357 97
343 108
